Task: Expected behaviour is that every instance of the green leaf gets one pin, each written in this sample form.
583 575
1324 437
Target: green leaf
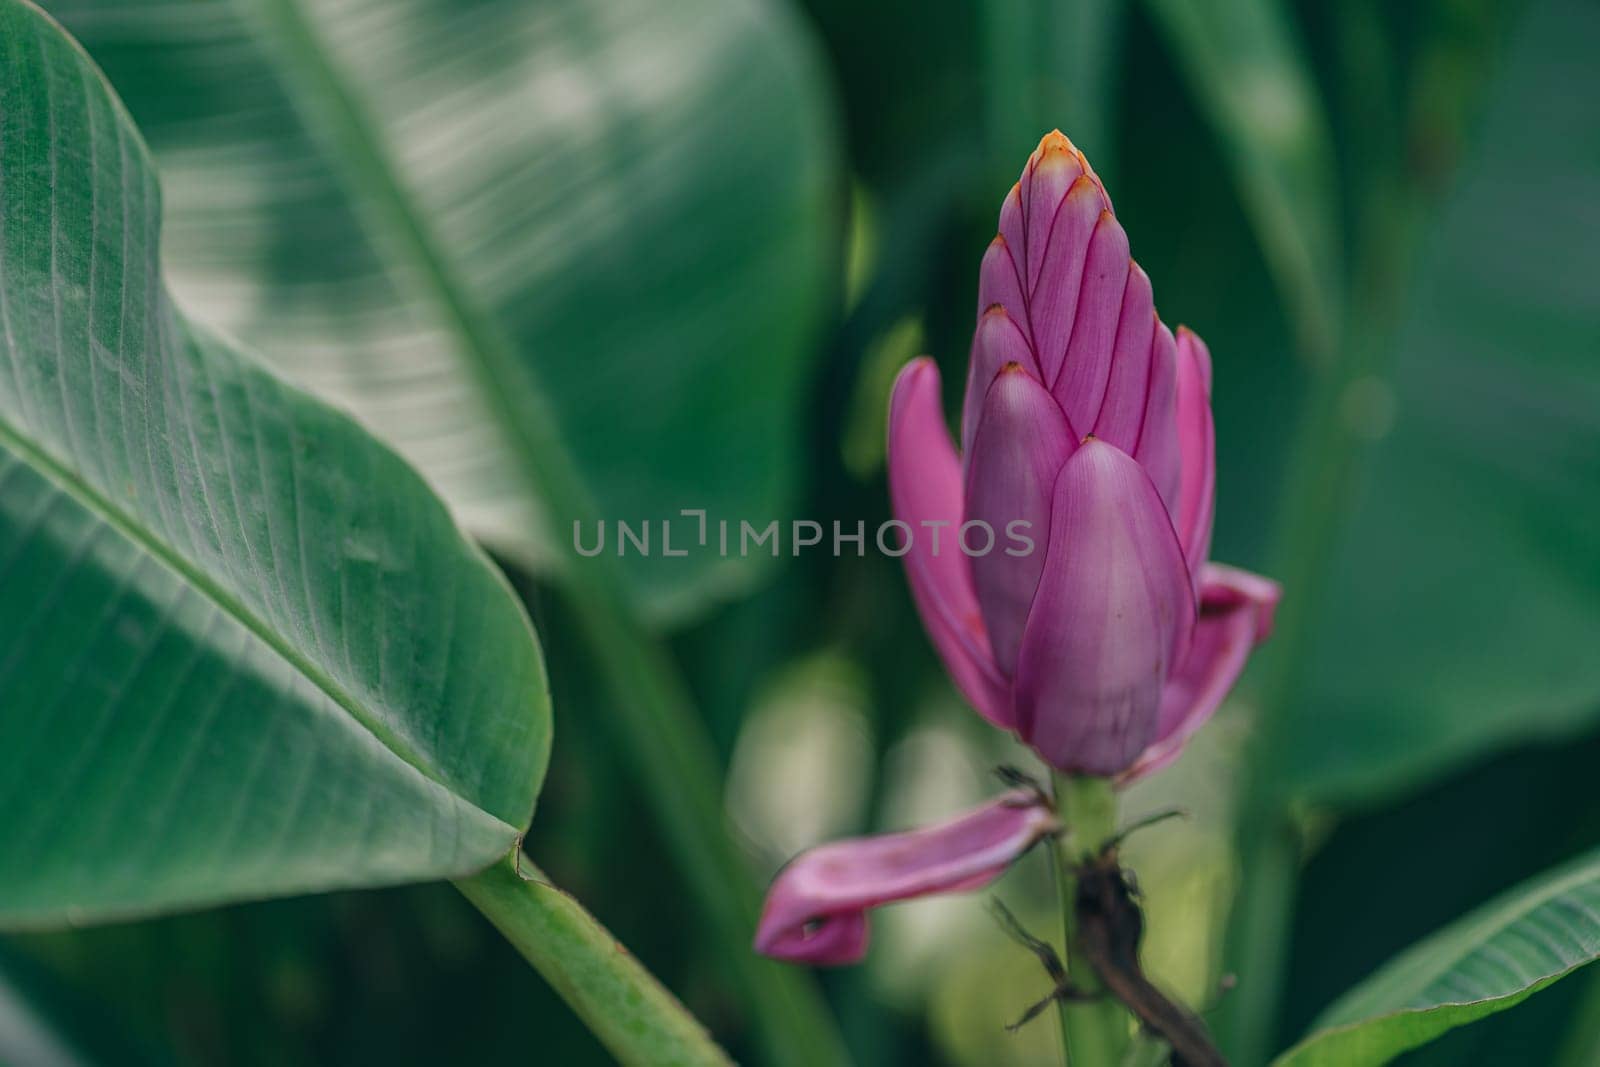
45 1024
243 650
1464 610
1250 78
499 231
1484 963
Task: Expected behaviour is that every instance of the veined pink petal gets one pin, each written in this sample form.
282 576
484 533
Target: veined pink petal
816 910
997 341
1121 411
925 487
1158 448
1053 302
1080 385
1112 617
999 285
1052 170
1236 609
1197 486
1013 230
1022 440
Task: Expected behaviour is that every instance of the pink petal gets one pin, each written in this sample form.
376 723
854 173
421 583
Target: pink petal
1012 230
1080 385
925 486
1236 610
1000 285
997 341
1022 440
1122 408
816 910
1112 616
1052 170
1053 301
1197 486
1158 449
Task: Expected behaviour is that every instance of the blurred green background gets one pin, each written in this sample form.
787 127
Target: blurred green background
1383 218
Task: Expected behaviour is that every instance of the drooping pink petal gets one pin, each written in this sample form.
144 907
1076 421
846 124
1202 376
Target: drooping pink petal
1022 440
1236 610
1197 488
1158 448
816 910
997 341
1111 618
1053 303
925 490
1080 385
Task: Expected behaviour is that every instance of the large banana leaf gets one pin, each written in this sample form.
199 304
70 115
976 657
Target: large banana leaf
1487 962
1466 603
243 650
496 226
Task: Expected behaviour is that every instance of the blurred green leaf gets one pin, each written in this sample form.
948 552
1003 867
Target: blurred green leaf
497 230
1465 604
1485 963
1049 65
246 652
1250 77
45 1025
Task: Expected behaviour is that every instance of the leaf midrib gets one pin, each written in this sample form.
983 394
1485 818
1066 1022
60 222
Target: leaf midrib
98 504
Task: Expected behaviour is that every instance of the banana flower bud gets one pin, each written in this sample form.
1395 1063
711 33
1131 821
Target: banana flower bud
1086 428
1113 639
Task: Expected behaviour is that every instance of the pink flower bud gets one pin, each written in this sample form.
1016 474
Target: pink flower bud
1110 642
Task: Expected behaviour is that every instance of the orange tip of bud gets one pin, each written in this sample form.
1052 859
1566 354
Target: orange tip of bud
996 309
1056 151
1056 141
1013 367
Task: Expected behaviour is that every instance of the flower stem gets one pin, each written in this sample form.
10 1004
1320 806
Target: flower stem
1093 1033
631 1013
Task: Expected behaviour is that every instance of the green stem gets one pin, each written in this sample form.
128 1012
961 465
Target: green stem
670 752
1093 1033
632 1014
1258 932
